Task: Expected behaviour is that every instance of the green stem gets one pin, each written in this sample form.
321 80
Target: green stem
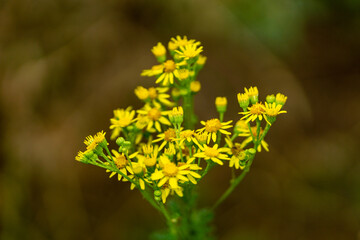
266 130
177 130
170 223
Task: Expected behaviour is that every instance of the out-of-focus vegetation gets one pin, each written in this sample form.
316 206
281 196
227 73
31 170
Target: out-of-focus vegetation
65 65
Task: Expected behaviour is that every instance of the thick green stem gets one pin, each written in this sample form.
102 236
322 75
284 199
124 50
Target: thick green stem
189 111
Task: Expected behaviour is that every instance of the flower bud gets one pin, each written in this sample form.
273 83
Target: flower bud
159 52
175 93
221 104
176 116
253 94
120 141
270 98
280 99
141 92
195 86
243 100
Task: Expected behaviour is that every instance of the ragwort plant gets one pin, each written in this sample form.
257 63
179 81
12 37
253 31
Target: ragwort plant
163 156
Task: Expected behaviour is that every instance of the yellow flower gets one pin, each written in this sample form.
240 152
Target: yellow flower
189 51
176 115
253 94
243 100
256 111
221 104
214 153
150 155
191 167
166 190
93 141
272 110
188 136
84 156
158 50
179 41
155 70
280 99
141 92
155 117
201 60
195 86
212 127
238 155
167 71
122 118
249 139
170 173
154 94
167 137
122 163
183 74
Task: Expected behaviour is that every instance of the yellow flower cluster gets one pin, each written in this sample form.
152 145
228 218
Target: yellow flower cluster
159 148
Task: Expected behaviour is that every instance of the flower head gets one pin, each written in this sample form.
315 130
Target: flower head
167 137
181 41
272 110
189 51
170 173
122 118
212 127
155 116
214 154
256 111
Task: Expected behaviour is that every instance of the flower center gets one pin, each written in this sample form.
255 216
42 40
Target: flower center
211 152
170 170
187 133
120 161
213 125
169 66
154 114
152 93
257 109
169 134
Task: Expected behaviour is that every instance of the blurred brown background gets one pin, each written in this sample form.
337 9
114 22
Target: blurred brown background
66 64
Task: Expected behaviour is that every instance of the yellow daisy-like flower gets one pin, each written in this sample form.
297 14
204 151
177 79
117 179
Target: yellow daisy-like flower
191 167
170 173
256 111
166 191
181 41
214 154
155 117
122 163
93 141
167 137
167 70
212 127
154 94
122 118
247 134
189 51
272 110
238 154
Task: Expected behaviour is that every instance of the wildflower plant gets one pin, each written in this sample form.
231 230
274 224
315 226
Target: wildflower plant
163 156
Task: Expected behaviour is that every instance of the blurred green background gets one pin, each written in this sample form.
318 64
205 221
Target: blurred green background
66 64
